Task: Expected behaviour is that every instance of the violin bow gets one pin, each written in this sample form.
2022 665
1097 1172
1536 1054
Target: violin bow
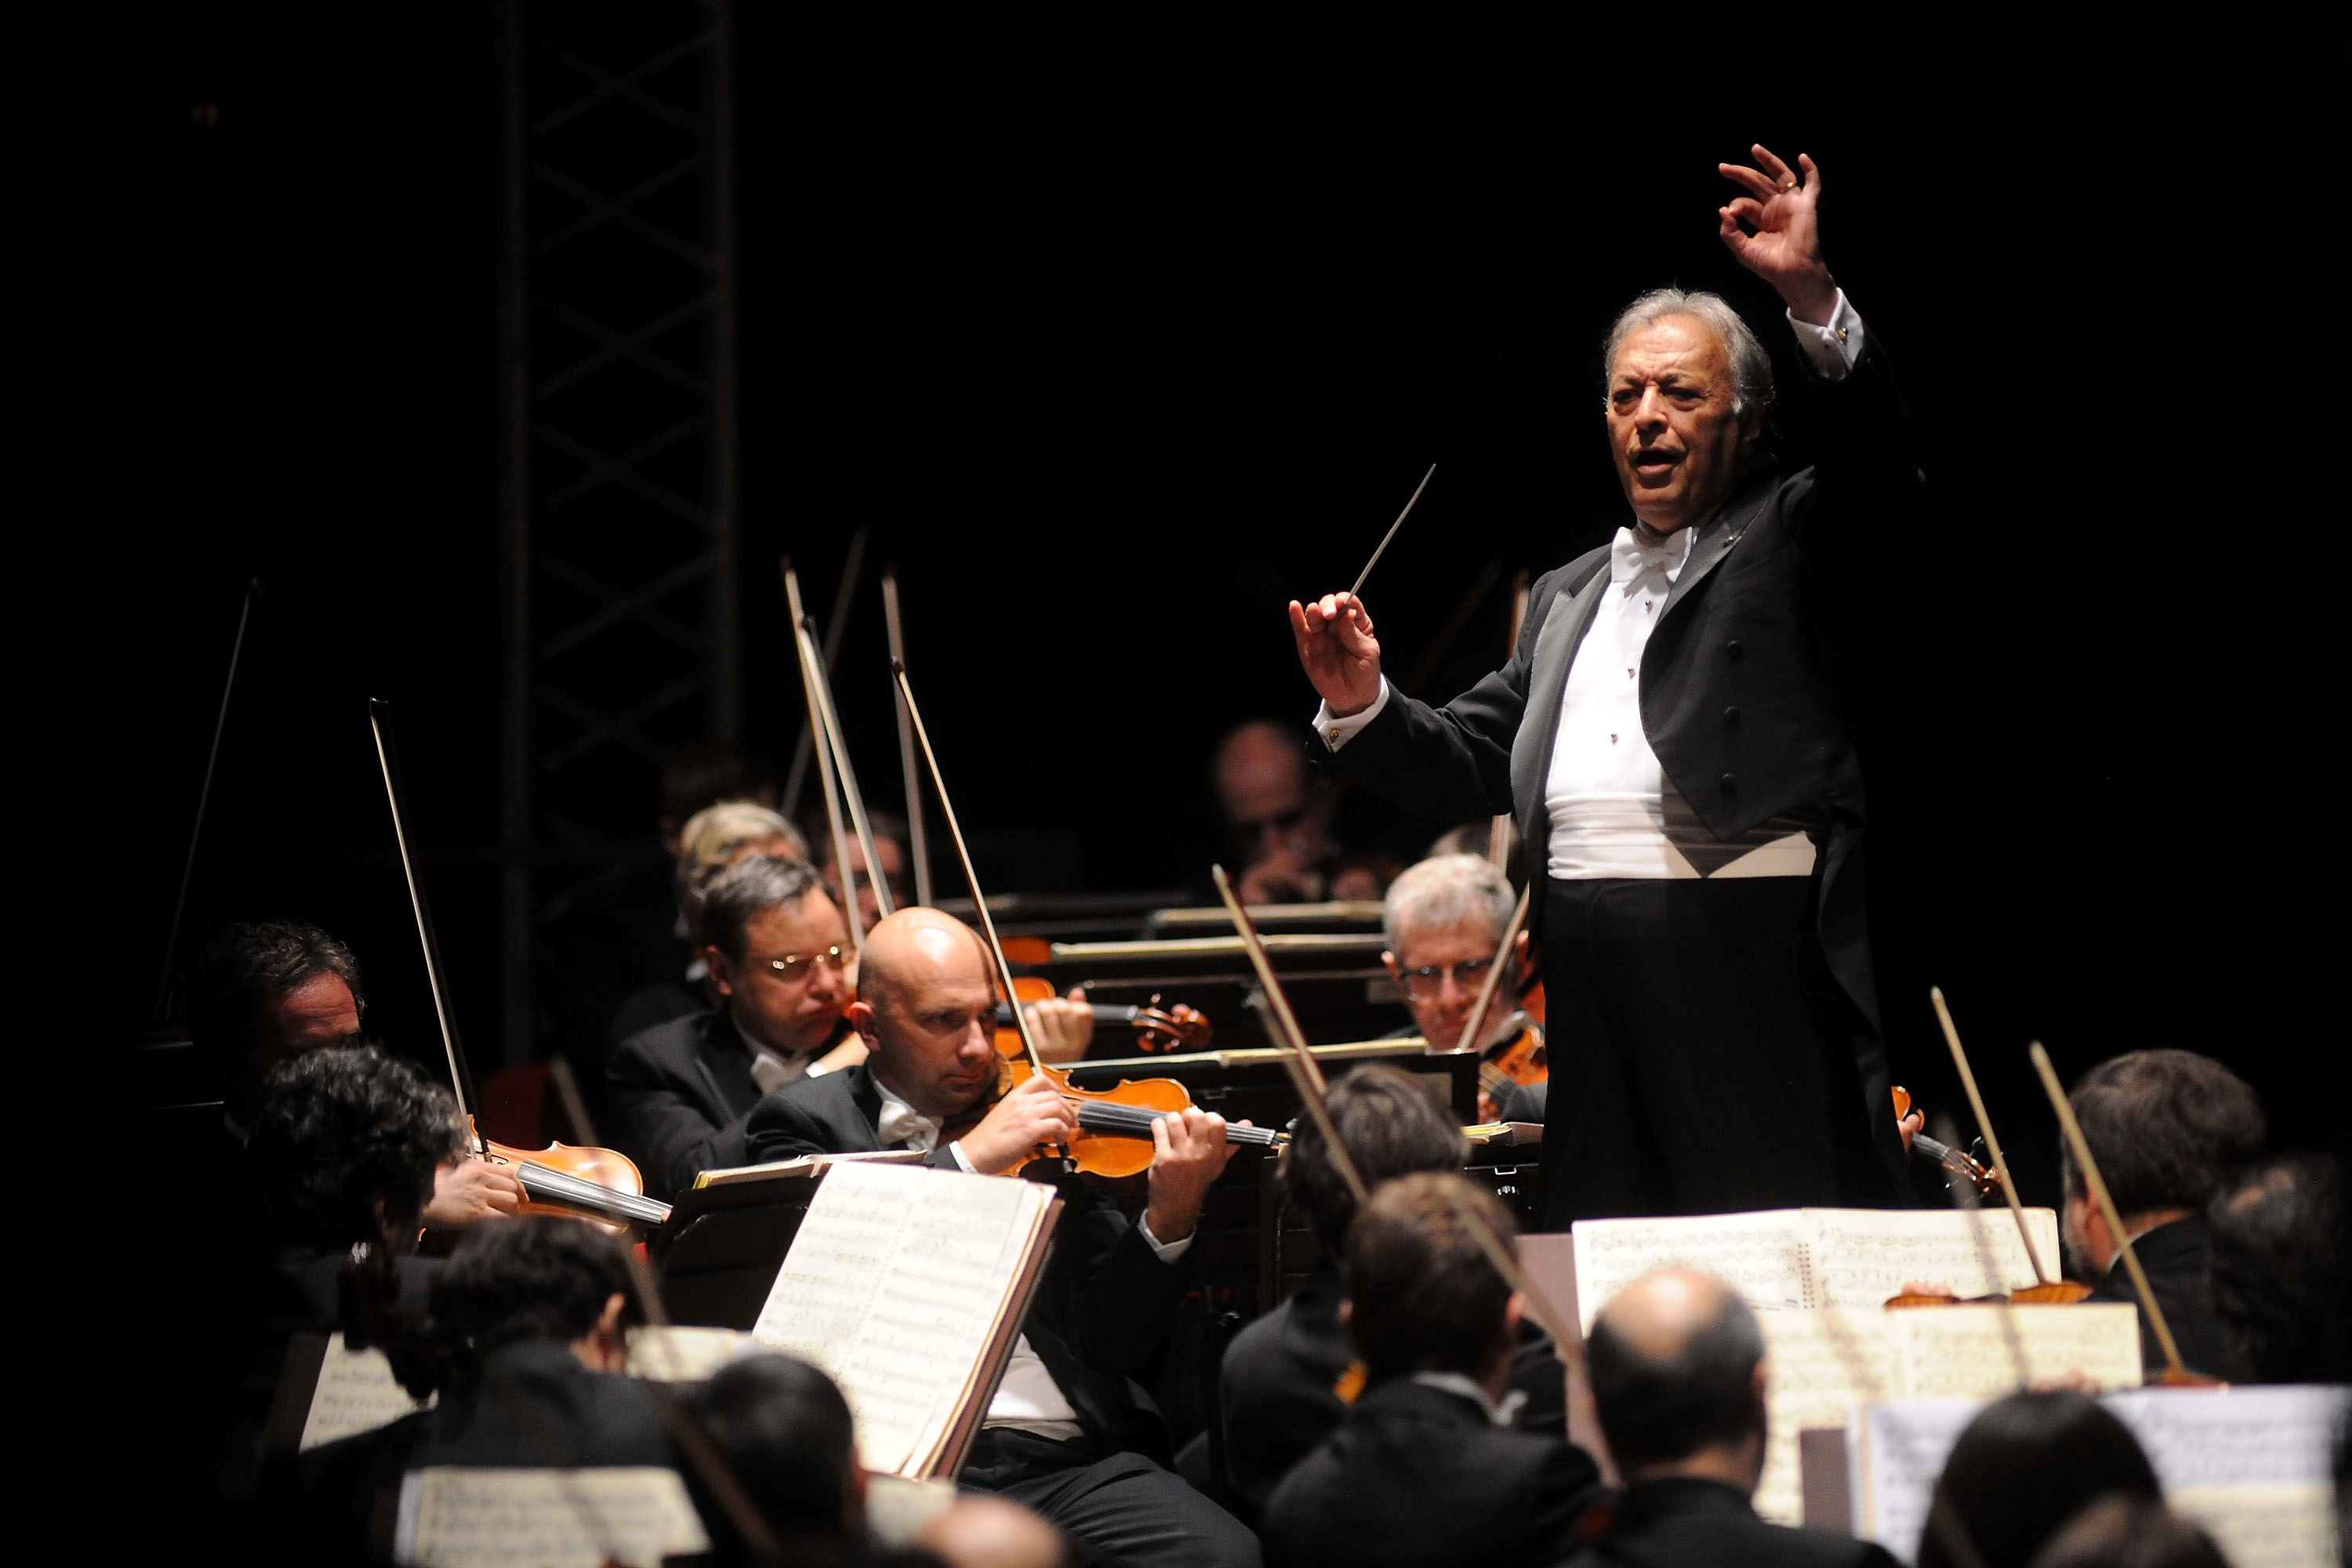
461 1076
971 879
1477 1019
1392 534
919 847
850 567
1984 1122
824 757
854 797
204 799
1308 1074
2097 1186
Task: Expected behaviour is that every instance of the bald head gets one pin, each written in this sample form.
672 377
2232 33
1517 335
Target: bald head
1676 1363
927 1008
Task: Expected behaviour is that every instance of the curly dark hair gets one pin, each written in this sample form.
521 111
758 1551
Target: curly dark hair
537 1277
1390 1128
339 1133
246 966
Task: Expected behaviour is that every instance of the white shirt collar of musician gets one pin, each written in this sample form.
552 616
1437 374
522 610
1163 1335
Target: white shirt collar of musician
901 1124
1501 1414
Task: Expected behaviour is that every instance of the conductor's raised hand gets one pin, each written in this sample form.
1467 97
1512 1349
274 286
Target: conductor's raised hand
1030 1113
1338 652
1775 231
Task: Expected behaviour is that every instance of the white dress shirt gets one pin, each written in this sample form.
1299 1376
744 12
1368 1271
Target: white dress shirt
1028 1397
1614 813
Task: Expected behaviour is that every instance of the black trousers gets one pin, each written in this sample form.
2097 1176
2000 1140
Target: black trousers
1703 1059
1115 1507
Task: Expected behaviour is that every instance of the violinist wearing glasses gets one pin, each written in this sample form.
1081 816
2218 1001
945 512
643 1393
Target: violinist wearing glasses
1444 919
1669 736
778 952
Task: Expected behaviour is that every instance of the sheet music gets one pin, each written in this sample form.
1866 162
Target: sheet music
2247 1463
2286 1526
1976 1352
456 1518
892 1285
355 1393
676 1353
1861 1256
1902 1448
1824 1365
2237 1436
1762 1256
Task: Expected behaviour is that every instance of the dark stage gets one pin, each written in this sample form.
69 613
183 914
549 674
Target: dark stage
1112 369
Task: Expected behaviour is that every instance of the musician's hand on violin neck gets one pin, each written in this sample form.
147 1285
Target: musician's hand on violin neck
1032 1112
1062 1026
1337 650
1189 1152
468 1192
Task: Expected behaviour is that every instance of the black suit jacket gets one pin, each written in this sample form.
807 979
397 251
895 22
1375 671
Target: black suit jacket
1277 1395
1417 1475
1105 1301
1686 1524
2178 1261
1738 699
678 1094
535 1407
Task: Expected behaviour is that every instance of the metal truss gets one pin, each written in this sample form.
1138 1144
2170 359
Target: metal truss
617 394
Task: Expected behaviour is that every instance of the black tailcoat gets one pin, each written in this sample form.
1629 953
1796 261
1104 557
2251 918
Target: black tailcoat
678 1094
1686 1523
1739 697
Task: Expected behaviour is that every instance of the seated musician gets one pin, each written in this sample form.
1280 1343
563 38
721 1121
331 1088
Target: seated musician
778 955
1677 1362
1444 918
260 995
1064 1436
1281 1390
2279 1272
1278 814
340 1161
889 847
527 1349
1425 1467
2170 1130
712 839
785 1435
2022 1470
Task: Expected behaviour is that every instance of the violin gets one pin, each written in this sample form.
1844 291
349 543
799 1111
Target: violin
1113 1140
1984 1183
1157 1029
602 1186
1520 1058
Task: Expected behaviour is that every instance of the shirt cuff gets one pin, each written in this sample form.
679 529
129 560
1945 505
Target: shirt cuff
1166 1251
1337 732
962 1160
1833 349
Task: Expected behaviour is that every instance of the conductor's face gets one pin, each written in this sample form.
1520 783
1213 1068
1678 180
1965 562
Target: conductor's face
928 1011
1675 440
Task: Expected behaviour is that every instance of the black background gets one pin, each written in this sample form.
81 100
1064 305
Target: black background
1117 353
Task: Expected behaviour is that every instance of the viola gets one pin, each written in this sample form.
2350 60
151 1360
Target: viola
1176 1028
603 1186
1981 1178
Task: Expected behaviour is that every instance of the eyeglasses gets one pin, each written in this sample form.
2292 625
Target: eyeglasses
1423 983
793 965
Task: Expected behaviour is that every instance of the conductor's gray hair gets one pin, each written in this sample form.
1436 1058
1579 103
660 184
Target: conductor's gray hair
1751 367
1443 890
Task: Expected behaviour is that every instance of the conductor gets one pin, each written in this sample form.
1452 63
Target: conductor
1666 736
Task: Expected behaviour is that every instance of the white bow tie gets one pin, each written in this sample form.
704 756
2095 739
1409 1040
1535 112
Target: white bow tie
1633 557
902 1123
